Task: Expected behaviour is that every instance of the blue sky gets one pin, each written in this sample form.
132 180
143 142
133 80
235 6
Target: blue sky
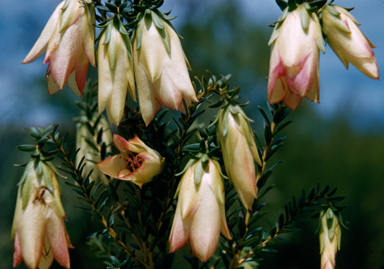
22 24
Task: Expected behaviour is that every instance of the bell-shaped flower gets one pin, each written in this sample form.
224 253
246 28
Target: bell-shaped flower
330 236
92 156
200 211
239 152
38 225
347 41
294 62
160 66
68 40
115 69
136 162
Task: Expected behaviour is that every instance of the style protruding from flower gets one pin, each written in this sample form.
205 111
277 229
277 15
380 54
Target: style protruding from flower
294 64
38 225
330 236
347 41
68 40
200 211
160 66
136 162
239 152
115 69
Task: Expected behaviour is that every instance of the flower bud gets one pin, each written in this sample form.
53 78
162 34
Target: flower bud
136 162
68 39
294 63
200 211
160 67
115 69
92 156
239 152
38 225
330 236
347 41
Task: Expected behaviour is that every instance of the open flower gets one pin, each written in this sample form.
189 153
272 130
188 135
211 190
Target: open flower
115 67
200 211
160 67
330 236
136 162
38 225
68 39
294 62
347 41
239 152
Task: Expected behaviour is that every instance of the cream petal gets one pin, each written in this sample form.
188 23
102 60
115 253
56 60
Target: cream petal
47 255
31 229
112 165
179 232
205 227
167 92
17 254
189 195
152 52
50 28
120 143
73 84
52 86
292 100
57 238
81 69
104 74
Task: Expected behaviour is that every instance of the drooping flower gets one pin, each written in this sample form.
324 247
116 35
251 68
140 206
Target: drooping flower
347 41
115 69
200 211
38 225
136 162
330 236
68 40
239 152
160 66
294 63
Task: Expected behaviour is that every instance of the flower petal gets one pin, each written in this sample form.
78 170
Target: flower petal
112 165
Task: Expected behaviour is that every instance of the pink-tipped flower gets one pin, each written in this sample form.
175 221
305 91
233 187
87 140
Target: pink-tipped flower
330 236
200 211
38 225
115 68
239 152
68 40
294 63
160 66
136 162
347 41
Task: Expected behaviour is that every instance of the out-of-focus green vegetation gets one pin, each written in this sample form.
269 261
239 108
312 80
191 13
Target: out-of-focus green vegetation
315 151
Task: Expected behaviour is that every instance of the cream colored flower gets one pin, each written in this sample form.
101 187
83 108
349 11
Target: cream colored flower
330 236
160 67
347 41
200 211
294 62
136 162
68 40
239 152
38 226
115 69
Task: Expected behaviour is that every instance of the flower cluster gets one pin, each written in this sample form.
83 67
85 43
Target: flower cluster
296 41
38 225
330 236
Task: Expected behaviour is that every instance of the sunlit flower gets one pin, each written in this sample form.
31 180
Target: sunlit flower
136 162
294 62
160 67
68 40
239 152
347 41
330 236
38 226
115 69
200 211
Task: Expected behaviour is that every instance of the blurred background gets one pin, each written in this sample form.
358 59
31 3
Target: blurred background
339 142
